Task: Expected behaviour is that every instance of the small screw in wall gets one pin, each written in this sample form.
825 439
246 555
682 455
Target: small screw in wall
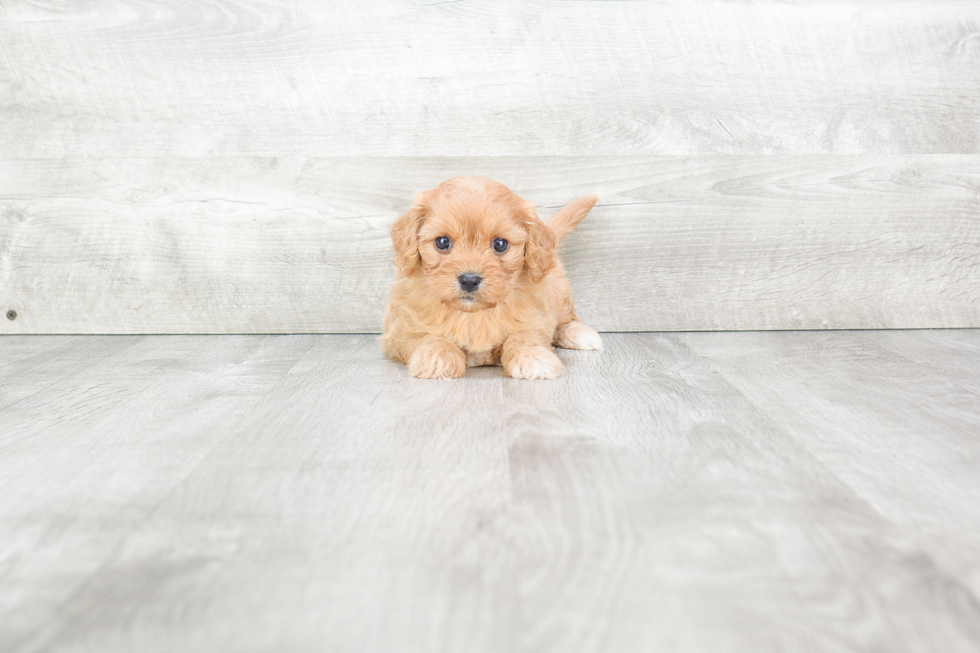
11 315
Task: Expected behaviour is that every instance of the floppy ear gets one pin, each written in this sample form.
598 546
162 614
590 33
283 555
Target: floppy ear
405 236
539 251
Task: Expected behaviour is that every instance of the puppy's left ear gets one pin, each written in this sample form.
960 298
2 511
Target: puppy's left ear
539 251
405 235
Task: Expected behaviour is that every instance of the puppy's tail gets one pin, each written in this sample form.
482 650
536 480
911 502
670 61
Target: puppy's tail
565 221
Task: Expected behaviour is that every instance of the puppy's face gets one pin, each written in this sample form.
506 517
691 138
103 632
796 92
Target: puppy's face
472 238
470 254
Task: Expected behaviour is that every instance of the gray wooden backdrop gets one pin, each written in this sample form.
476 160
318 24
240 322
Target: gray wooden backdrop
232 166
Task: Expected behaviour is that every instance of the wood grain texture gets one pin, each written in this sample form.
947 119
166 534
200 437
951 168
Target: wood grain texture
85 460
231 166
173 78
28 364
650 499
833 392
286 244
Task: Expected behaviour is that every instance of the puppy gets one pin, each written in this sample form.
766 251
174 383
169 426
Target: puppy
478 282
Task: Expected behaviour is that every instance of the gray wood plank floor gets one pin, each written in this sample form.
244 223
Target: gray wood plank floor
781 491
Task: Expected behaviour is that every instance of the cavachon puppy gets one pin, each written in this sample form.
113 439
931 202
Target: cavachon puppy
478 282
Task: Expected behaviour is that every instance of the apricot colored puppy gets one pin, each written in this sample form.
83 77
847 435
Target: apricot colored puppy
478 282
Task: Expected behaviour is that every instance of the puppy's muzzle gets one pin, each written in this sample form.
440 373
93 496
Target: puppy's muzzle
469 281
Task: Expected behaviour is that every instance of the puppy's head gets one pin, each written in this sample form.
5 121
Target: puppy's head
473 239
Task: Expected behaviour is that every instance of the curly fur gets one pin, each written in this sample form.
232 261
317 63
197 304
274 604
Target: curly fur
523 305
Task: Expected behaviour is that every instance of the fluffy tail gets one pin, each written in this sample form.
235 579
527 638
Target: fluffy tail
563 222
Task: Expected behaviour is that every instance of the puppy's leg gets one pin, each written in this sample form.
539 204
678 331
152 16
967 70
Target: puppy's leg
436 357
575 335
526 355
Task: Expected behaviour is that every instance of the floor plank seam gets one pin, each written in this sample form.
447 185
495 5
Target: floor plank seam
70 375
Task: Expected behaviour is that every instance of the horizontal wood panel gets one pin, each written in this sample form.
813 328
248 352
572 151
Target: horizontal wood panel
177 78
233 165
299 244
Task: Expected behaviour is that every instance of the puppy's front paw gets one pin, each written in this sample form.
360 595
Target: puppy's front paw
575 335
437 359
533 363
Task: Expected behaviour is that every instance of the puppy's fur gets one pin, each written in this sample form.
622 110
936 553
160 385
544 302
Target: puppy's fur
521 308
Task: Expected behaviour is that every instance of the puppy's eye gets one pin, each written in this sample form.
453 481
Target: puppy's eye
500 245
443 243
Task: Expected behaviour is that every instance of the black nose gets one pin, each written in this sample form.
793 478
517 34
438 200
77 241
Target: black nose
469 281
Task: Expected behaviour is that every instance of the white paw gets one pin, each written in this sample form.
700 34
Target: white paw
533 363
575 335
437 361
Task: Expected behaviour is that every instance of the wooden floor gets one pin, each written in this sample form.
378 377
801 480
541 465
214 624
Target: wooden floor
781 491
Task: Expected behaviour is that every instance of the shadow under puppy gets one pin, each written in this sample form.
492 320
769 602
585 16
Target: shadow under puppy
478 282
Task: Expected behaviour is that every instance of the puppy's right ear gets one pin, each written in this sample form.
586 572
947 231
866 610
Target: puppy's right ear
405 235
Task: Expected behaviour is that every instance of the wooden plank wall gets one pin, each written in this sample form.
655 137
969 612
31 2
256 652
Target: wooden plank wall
232 166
